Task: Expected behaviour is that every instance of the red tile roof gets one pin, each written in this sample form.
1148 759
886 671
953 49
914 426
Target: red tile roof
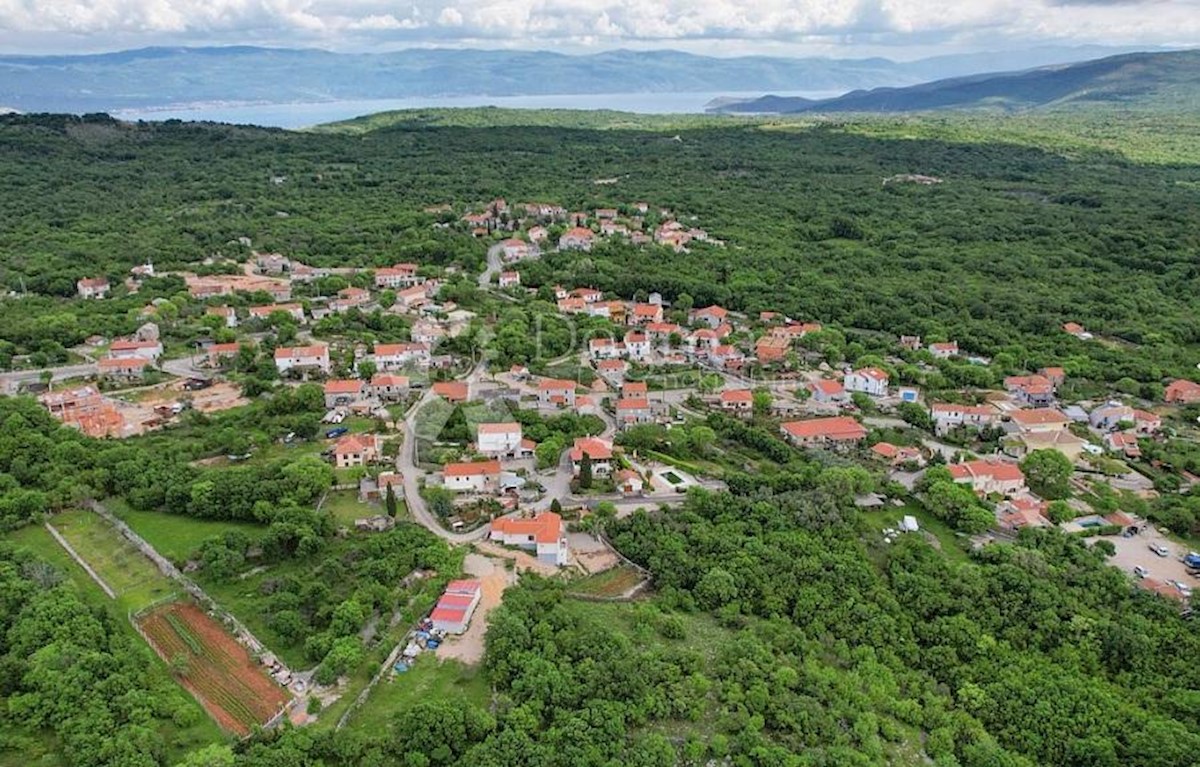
737 395
597 449
499 428
284 352
453 391
471 469
838 427
343 386
545 527
1039 417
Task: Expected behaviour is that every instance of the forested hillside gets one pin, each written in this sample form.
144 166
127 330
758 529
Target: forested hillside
1012 243
783 624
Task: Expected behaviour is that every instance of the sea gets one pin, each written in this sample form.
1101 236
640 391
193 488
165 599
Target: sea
303 115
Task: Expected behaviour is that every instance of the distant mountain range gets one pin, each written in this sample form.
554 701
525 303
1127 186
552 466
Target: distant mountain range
160 77
1168 81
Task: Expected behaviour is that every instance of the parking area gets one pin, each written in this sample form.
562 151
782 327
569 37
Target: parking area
1135 552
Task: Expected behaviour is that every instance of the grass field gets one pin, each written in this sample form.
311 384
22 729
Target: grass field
134 578
175 536
429 678
610 583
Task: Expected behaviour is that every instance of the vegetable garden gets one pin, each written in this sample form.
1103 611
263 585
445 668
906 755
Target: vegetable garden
211 664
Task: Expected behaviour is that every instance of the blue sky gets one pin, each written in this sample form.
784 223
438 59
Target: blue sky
895 28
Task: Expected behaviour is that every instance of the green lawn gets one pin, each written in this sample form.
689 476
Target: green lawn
136 581
429 678
176 536
953 546
345 507
610 583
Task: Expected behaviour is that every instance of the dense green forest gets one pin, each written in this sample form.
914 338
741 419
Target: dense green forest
780 629
1015 241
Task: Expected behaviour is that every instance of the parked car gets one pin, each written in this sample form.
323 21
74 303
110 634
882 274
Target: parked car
339 431
1160 550
1140 571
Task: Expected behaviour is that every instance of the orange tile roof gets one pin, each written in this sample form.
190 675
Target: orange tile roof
999 471
343 386
597 449
827 387
545 527
838 427
453 391
737 395
471 468
284 352
499 428
1039 416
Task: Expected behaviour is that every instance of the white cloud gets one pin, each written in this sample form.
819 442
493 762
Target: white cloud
848 26
450 17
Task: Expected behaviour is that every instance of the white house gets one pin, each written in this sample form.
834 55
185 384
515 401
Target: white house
302 358
599 450
872 381
944 351
510 279
398 276
472 477
92 287
147 350
397 356
542 533
514 249
577 238
499 439
606 349
556 393
357 450
987 477
637 345
947 416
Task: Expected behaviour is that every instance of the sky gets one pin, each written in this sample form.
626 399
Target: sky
899 29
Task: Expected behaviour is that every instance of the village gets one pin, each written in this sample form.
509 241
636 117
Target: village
521 462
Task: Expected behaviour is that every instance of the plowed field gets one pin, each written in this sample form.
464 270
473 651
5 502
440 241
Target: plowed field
213 666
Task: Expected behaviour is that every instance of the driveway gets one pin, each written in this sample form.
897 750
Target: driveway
1135 551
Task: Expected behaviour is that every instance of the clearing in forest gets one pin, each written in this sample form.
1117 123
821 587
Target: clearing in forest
609 584
135 580
213 666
